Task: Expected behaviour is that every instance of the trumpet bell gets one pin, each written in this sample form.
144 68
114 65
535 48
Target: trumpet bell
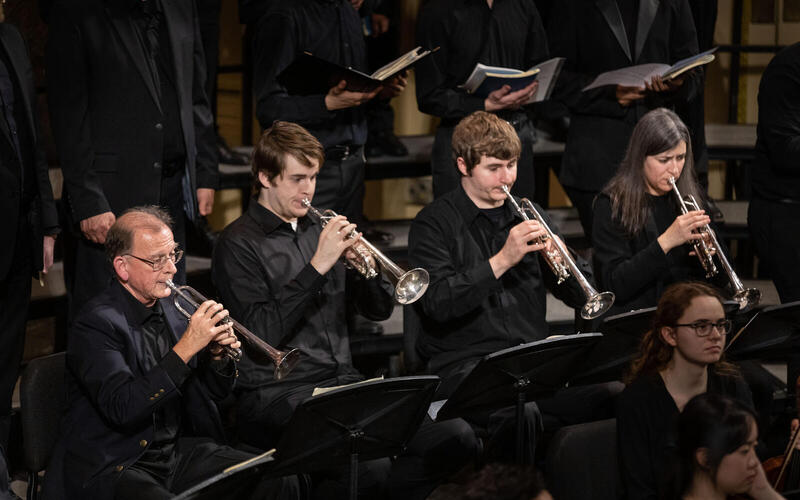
748 297
411 286
597 305
286 364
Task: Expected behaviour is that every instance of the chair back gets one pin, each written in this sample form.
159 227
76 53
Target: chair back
42 401
582 462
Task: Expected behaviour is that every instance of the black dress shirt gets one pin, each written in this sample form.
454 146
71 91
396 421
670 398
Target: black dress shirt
635 267
776 175
510 34
329 29
466 312
17 146
646 434
261 268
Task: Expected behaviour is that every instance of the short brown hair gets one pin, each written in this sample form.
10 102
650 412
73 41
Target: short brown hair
484 134
119 239
282 138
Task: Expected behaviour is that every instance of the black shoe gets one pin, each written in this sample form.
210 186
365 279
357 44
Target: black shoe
384 143
228 156
714 212
378 237
359 325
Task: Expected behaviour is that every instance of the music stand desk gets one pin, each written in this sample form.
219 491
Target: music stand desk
770 332
228 480
361 422
514 375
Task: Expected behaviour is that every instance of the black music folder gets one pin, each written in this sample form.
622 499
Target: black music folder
771 331
364 421
608 359
239 477
311 75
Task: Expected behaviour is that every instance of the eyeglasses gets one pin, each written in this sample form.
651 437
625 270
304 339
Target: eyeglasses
161 261
703 328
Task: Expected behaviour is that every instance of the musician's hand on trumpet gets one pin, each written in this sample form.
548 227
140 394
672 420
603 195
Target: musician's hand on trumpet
205 326
333 242
524 238
685 228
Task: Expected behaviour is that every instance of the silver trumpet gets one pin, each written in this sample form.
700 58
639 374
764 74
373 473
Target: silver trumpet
707 246
562 263
409 286
284 361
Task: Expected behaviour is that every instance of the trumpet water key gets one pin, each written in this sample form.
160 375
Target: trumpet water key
707 246
187 300
561 262
409 286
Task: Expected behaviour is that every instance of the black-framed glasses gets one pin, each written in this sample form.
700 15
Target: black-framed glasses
158 264
703 328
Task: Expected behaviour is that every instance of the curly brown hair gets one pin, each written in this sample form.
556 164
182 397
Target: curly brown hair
654 352
484 134
282 138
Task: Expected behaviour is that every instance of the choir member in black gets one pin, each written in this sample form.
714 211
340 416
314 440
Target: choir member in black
679 358
596 36
280 273
506 33
141 421
30 222
487 289
716 456
774 212
639 234
331 30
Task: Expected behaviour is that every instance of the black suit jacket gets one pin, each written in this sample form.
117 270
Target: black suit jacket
106 109
41 214
112 397
591 35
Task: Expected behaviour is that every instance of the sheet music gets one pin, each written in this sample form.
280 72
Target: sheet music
433 409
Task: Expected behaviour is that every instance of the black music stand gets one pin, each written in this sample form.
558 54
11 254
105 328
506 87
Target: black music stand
233 478
770 332
512 376
609 357
362 422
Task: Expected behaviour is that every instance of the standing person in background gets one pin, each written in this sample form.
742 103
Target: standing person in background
331 30
774 212
596 36
507 33
131 122
29 214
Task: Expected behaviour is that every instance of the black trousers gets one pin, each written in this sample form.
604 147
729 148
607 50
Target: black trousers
87 271
435 452
15 292
774 227
340 185
196 460
447 177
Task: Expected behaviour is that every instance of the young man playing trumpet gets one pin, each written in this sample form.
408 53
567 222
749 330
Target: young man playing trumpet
141 420
487 283
281 274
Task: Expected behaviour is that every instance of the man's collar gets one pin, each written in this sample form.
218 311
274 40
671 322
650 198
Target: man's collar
268 220
137 313
469 210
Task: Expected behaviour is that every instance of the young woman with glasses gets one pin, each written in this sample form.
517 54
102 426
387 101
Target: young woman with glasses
679 358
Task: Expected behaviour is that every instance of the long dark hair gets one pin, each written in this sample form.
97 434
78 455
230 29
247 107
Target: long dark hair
654 352
658 131
716 423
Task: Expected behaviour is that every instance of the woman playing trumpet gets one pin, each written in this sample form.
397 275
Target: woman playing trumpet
639 233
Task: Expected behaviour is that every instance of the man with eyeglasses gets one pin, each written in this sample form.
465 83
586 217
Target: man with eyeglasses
142 382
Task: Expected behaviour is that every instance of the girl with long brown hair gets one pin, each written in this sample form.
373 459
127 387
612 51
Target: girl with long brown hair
639 234
680 357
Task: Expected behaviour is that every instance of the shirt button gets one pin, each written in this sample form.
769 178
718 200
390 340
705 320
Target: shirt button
159 126
157 164
119 468
143 443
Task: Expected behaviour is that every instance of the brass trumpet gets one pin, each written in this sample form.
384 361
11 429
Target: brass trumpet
562 263
284 361
707 246
409 286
